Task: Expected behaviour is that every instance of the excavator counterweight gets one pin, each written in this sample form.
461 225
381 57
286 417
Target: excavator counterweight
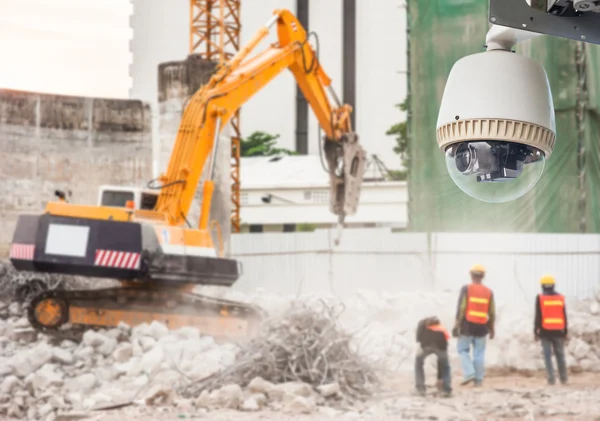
151 247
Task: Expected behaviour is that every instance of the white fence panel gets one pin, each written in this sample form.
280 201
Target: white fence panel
379 260
283 263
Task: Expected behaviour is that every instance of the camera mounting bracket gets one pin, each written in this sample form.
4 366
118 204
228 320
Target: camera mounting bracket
520 15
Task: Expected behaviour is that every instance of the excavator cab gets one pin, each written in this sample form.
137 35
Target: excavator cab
123 197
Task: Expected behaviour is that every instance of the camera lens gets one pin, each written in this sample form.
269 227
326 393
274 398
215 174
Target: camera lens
494 171
464 157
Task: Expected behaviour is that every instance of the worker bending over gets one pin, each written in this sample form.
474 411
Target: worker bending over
551 327
433 339
474 321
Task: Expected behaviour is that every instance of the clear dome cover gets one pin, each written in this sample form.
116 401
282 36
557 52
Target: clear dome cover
494 171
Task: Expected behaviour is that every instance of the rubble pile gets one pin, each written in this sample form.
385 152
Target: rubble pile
515 348
305 358
306 345
385 329
310 356
21 287
38 380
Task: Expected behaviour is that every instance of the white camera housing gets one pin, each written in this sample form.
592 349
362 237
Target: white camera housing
499 103
497 95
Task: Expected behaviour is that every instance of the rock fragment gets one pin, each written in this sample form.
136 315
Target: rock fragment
83 383
123 353
229 396
62 356
329 390
260 385
300 405
254 402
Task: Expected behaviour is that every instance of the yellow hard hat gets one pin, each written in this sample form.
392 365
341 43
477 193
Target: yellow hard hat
477 269
547 280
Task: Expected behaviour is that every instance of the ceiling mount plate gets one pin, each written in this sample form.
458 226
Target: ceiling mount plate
518 14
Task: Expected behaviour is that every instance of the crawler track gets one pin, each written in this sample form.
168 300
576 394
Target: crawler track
67 314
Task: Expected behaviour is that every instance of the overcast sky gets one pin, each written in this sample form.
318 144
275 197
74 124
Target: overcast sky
72 47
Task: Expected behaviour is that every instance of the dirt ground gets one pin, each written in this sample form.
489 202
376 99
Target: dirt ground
503 397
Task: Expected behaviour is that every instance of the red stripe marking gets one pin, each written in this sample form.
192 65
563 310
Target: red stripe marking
136 261
111 261
22 251
117 259
105 258
124 260
131 260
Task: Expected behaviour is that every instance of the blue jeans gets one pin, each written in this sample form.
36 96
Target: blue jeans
443 367
558 346
474 368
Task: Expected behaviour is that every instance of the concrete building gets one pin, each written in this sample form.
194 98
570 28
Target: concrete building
56 142
291 193
160 34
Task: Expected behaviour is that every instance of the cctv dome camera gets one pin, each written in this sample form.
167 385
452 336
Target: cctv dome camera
496 125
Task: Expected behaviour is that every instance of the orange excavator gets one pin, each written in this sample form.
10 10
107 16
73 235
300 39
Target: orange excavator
144 240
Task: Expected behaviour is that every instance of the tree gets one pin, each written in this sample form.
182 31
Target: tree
400 130
262 144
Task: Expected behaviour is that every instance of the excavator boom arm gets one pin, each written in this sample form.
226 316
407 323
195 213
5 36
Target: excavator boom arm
234 83
157 261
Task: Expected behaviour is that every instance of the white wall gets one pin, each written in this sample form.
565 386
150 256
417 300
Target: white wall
379 260
273 109
161 34
385 203
381 55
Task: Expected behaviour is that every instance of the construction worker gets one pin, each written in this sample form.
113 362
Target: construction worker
433 339
474 321
551 327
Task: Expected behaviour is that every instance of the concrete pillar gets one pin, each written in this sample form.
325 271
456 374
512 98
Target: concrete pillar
177 82
349 57
220 208
302 12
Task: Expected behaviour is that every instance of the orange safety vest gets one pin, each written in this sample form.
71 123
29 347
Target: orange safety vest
478 304
439 328
553 316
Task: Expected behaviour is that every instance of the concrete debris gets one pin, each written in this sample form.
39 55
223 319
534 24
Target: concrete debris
300 405
44 380
229 396
260 385
329 390
9 384
147 343
19 288
107 347
203 401
255 402
123 353
84 353
578 348
291 389
304 347
30 360
24 334
62 356
160 395
14 309
83 383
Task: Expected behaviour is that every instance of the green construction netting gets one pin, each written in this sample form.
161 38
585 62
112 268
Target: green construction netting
443 31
